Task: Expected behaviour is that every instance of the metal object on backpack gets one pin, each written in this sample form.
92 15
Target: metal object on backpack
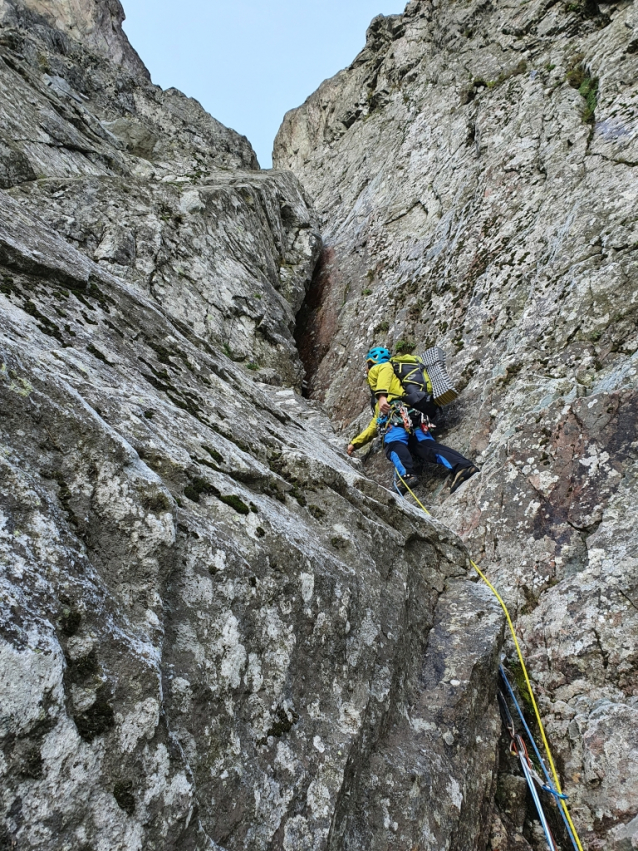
442 388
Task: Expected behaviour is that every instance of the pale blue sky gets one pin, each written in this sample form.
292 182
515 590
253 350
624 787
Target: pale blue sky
249 61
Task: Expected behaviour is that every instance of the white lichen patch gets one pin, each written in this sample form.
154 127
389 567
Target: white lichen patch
140 723
233 652
307 582
25 678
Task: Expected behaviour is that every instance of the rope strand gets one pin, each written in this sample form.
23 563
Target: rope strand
550 787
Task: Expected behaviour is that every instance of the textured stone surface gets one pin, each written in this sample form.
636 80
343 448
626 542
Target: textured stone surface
156 191
475 171
216 632
213 627
97 25
440 728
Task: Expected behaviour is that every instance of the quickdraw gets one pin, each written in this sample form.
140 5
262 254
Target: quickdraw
398 416
548 785
519 749
426 424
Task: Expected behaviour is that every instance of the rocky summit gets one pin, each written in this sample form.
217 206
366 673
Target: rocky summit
217 631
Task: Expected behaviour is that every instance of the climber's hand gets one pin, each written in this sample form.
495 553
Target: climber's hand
384 408
350 449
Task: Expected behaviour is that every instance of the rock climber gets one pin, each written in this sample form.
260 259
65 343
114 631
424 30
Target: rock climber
406 431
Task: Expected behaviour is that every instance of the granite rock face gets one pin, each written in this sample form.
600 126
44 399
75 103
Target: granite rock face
475 171
212 626
97 25
216 632
156 191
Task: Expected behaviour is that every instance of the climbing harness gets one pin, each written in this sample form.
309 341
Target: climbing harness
426 424
555 787
402 415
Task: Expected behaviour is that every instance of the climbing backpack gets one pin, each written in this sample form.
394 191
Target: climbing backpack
426 374
411 370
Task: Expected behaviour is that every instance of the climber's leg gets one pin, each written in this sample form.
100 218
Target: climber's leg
398 454
428 449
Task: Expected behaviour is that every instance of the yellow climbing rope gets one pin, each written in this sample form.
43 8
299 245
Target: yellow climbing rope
524 669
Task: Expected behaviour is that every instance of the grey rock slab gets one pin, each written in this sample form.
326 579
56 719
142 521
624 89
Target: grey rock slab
215 642
232 257
95 23
27 246
625 837
430 770
153 189
211 620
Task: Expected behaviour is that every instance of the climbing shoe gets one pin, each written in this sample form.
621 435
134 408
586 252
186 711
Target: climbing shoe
409 481
462 476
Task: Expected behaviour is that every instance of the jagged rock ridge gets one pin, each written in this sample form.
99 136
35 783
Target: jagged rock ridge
475 173
97 26
215 631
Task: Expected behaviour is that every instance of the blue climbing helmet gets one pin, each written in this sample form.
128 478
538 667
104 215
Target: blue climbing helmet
379 354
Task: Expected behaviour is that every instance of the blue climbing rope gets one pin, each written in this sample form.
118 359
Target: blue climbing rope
518 748
549 787
537 800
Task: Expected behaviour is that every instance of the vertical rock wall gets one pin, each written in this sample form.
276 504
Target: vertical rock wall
215 632
475 171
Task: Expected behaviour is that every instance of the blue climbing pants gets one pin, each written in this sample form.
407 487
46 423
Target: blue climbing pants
400 447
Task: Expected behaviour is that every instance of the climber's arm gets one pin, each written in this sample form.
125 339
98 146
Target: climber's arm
380 379
368 434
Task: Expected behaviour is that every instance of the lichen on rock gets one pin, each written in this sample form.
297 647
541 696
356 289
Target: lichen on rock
216 631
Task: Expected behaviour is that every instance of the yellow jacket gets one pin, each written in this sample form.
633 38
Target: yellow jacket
383 382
